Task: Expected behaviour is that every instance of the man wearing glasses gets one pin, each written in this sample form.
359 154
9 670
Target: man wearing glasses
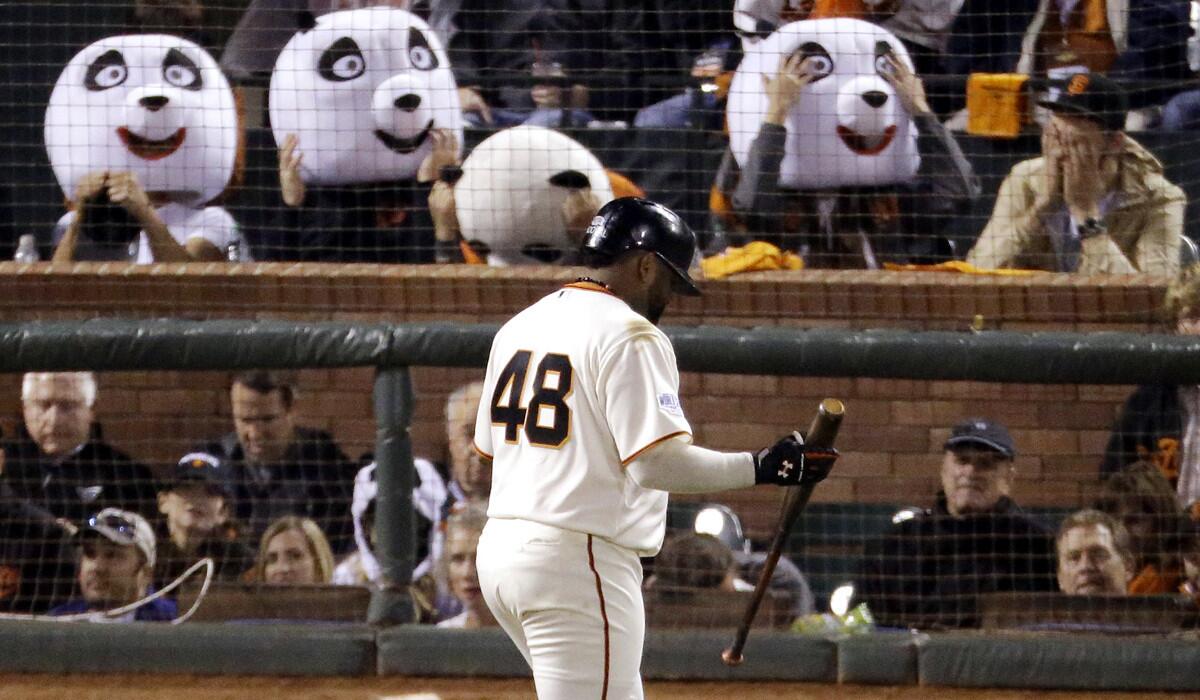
115 566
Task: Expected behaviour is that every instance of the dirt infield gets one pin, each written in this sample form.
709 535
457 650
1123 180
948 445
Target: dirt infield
182 687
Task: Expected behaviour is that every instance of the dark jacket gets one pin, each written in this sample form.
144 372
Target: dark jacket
380 223
928 570
97 476
1150 427
315 480
36 561
903 223
231 558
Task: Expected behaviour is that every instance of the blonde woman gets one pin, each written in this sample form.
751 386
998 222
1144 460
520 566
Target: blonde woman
456 569
293 550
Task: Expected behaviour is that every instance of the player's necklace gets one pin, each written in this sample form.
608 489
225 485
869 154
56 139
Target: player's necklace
589 280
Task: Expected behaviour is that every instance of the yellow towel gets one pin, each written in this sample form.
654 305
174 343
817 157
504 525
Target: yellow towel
997 105
958 266
751 257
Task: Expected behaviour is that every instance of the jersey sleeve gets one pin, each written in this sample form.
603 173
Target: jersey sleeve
639 385
483 419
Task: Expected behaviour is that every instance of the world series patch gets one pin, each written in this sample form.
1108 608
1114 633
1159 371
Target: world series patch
670 404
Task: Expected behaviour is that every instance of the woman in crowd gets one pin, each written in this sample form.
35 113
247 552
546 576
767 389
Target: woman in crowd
457 566
1143 500
293 550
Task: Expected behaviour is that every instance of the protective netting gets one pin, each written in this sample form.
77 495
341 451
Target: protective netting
491 132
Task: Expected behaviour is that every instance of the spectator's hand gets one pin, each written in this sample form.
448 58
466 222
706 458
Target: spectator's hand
445 152
578 210
908 86
444 212
790 462
89 186
1084 178
470 100
1053 154
291 186
783 91
125 191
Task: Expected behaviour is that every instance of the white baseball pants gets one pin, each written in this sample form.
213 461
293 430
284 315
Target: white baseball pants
571 602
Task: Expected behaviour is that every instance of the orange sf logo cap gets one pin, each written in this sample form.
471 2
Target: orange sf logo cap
1078 84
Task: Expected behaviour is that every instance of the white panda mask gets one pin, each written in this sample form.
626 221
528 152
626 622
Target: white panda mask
362 90
848 127
152 104
512 190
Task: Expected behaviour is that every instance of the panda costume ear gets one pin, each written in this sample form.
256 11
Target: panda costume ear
305 20
571 179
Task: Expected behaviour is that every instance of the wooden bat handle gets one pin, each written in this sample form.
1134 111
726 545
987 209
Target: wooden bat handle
821 433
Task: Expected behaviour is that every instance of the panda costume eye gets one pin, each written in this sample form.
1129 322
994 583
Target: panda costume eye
420 55
820 63
181 71
342 61
107 71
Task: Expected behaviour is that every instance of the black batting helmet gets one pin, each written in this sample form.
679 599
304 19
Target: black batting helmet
632 223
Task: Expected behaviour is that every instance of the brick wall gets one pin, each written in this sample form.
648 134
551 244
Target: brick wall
892 436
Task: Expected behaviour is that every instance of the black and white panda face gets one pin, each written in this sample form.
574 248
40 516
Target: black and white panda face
153 104
362 90
848 127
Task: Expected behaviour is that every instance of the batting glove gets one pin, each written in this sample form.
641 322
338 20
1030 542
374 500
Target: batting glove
790 462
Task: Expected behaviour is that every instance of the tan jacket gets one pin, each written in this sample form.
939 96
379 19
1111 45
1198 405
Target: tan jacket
1144 227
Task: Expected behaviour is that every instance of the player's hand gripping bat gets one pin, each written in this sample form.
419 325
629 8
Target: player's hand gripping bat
821 434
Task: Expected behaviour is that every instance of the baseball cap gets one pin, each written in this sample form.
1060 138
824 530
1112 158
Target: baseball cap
124 528
199 467
981 431
1090 95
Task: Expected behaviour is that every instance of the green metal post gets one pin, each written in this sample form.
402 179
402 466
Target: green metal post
391 602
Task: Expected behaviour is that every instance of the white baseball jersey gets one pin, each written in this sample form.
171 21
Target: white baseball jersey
577 386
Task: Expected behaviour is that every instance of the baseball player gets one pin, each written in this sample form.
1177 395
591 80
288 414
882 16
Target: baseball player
580 417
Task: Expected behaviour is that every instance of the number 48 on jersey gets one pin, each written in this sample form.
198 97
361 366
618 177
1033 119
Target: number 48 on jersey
546 420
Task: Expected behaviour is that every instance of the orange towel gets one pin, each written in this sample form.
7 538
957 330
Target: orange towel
751 257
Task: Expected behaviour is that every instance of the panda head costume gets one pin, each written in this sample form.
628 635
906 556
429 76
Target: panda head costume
848 128
362 90
512 190
152 104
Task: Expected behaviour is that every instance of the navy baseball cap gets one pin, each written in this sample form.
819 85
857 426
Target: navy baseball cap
982 432
1092 96
199 468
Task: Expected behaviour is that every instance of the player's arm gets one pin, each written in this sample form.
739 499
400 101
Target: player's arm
675 465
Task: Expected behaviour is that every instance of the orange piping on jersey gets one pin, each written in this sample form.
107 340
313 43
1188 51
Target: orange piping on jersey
588 287
480 452
603 616
664 438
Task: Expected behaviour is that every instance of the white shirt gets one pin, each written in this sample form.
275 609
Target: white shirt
213 224
577 386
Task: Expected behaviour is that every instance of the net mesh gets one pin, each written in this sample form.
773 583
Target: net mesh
492 132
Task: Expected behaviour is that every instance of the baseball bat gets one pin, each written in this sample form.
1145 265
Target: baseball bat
821 433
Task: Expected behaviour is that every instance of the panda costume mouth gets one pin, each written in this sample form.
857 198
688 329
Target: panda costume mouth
405 146
866 145
151 149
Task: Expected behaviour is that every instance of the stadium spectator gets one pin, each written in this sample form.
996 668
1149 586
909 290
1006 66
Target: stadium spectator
851 226
1142 500
1160 423
787 582
925 27
691 561
1094 557
293 550
277 467
928 570
470 476
463 528
1095 201
59 461
1070 36
361 567
195 504
116 565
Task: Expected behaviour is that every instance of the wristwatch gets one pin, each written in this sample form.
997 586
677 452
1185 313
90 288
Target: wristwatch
1091 226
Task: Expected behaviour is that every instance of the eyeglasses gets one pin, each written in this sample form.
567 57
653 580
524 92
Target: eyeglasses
114 523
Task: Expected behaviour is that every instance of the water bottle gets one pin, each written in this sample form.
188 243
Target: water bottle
233 251
27 251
